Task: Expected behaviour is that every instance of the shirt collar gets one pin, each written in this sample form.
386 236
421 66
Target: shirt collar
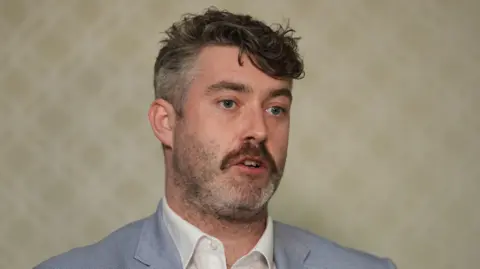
265 244
186 236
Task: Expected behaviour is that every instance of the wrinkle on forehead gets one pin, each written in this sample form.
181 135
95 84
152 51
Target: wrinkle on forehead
220 63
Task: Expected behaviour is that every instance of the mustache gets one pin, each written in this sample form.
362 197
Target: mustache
251 150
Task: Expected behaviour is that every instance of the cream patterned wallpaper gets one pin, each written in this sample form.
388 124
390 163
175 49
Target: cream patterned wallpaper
385 141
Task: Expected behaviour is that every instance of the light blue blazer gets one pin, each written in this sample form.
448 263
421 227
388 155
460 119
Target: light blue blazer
146 243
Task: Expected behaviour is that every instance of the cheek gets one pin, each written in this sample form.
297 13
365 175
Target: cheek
279 143
214 128
211 133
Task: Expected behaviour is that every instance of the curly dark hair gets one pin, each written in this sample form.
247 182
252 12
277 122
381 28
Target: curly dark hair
272 49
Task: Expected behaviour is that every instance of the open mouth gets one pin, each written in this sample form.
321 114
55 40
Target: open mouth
251 164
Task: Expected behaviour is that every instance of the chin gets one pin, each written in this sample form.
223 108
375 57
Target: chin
239 210
247 198
233 196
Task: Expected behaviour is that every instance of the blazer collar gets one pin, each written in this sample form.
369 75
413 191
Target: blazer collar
289 252
156 248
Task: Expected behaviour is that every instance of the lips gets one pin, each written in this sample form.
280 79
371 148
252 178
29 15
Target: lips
251 162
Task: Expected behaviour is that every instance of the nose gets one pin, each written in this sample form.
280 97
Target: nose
255 127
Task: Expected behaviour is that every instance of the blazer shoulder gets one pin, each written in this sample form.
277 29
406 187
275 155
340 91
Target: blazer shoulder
324 250
114 251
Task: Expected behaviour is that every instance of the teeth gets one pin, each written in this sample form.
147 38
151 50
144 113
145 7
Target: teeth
251 163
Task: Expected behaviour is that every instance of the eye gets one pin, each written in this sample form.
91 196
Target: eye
276 110
227 104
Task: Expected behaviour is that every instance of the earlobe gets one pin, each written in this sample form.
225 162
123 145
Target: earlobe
162 120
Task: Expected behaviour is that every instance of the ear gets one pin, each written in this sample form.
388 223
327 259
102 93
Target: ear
162 119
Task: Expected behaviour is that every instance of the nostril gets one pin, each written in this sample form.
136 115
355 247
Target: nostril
255 142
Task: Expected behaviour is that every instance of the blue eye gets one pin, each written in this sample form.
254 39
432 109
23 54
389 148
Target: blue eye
228 104
276 110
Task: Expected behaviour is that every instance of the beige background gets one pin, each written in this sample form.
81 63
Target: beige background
384 151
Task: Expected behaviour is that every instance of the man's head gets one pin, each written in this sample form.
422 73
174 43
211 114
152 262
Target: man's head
223 86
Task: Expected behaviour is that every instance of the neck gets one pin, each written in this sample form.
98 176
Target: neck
237 237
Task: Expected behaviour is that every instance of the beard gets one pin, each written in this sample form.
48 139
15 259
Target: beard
203 177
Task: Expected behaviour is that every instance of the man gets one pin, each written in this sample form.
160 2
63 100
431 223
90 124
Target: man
223 88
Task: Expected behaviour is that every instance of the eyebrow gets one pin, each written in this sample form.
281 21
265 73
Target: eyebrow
242 88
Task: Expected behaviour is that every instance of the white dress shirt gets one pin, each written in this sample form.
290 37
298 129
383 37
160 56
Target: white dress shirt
201 251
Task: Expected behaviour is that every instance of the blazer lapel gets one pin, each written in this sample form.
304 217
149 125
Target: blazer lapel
156 248
288 252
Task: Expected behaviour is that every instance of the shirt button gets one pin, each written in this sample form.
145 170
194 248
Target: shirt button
213 245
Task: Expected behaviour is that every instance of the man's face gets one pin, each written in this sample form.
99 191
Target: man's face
230 145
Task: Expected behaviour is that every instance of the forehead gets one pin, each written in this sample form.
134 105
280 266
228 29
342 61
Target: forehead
220 63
